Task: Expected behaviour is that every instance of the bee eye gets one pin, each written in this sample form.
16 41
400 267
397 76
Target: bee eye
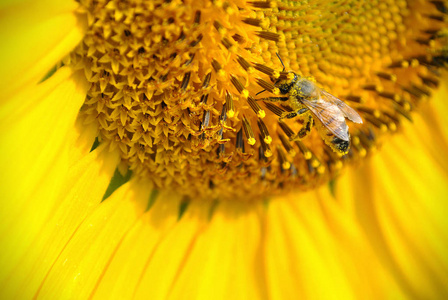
284 88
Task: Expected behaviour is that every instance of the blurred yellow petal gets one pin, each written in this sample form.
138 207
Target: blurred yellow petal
47 3
35 36
430 131
398 197
314 250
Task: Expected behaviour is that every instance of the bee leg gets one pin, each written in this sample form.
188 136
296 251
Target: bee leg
306 129
294 113
273 99
288 115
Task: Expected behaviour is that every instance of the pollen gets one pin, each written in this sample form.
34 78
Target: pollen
175 84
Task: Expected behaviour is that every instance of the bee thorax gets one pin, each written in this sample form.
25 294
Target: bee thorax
306 88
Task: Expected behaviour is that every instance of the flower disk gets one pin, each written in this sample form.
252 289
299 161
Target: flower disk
174 84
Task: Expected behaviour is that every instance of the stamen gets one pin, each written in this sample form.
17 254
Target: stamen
400 64
440 18
413 92
204 99
391 96
256 108
421 89
249 69
403 112
248 132
264 132
387 76
429 81
185 81
239 141
441 6
287 145
394 118
286 129
252 21
229 105
284 163
206 80
262 4
373 112
427 42
273 108
266 70
356 99
197 17
266 148
373 87
232 48
239 86
219 27
239 38
197 41
188 62
267 86
217 67
377 123
272 36
206 120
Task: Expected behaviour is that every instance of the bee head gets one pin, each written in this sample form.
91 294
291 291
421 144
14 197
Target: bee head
285 85
340 144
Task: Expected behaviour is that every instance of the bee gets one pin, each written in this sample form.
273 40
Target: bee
318 107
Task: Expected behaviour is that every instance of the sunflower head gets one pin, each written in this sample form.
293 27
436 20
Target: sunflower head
175 84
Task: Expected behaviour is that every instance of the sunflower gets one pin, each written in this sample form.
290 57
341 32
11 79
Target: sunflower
171 149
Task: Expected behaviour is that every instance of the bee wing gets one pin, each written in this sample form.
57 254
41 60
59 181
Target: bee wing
348 112
331 117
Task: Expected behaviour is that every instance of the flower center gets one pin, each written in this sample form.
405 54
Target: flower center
174 86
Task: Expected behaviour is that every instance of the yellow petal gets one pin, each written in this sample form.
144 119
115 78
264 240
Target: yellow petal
314 251
223 262
88 253
34 129
8 3
166 261
130 261
399 198
81 193
37 133
431 128
35 36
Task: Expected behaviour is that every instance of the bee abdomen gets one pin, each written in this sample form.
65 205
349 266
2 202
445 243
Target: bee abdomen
341 144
